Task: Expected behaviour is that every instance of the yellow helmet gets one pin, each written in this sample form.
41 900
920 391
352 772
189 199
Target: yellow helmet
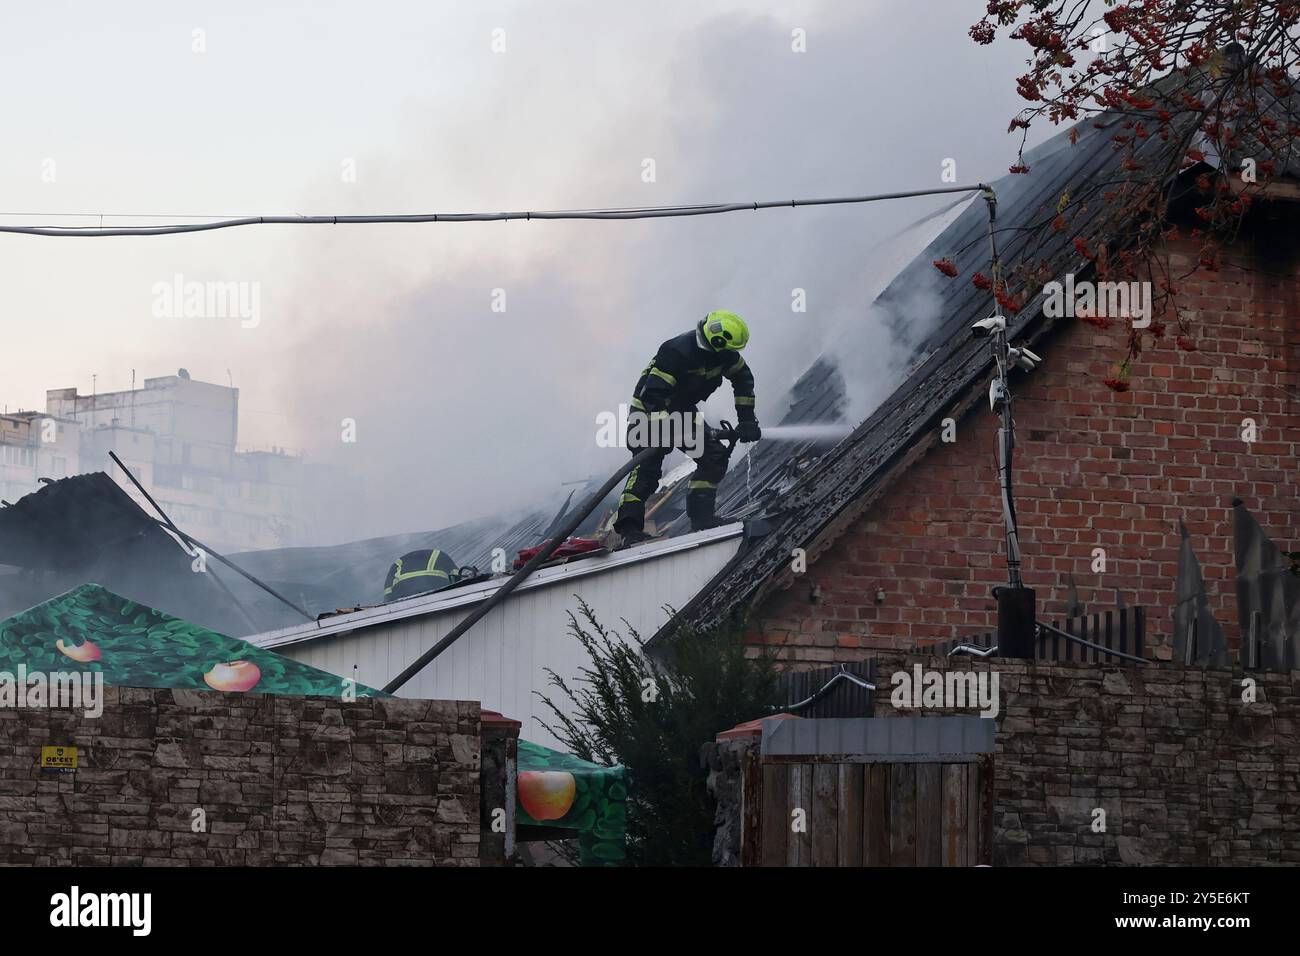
725 330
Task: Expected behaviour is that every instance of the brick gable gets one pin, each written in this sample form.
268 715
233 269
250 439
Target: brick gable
1093 469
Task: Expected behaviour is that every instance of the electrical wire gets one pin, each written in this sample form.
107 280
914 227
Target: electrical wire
116 215
634 212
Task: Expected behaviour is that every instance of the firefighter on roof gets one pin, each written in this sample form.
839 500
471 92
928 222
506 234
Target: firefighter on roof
685 371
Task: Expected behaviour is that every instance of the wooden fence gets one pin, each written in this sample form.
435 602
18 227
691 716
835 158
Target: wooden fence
895 813
884 791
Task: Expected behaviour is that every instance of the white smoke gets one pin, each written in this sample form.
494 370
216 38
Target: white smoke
461 411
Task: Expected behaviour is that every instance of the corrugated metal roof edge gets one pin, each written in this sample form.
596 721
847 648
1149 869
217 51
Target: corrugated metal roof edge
436 603
959 736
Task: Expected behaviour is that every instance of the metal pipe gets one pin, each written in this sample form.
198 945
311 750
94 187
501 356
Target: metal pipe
812 699
974 649
240 571
1252 652
194 542
167 523
1006 433
518 577
253 627
1006 446
1078 640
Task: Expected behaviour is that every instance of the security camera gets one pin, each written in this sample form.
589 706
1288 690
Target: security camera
990 326
1024 358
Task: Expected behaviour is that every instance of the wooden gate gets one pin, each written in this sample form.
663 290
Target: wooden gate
890 791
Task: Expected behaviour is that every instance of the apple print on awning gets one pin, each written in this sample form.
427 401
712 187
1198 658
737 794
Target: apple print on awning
92 629
559 790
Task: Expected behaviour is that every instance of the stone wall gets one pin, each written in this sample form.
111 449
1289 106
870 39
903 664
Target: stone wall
499 759
724 761
188 778
1185 770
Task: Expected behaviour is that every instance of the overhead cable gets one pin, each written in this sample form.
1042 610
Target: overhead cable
635 212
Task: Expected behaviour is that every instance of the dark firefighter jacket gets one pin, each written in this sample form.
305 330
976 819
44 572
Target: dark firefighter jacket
685 371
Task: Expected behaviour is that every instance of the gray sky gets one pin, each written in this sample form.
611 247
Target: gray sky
461 410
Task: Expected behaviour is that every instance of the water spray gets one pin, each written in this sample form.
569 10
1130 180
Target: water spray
808 432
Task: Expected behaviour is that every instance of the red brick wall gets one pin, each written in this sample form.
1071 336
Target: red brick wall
1093 469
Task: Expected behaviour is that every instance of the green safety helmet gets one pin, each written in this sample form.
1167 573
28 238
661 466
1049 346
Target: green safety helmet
725 330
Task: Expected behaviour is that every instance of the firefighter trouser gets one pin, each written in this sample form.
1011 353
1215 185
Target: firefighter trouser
702 492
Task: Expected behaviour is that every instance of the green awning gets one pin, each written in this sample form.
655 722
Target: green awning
559 790
92 629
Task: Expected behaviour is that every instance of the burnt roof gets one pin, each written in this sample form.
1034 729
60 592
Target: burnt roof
344 575
72 524
807 490
950 363
86 529
801 485
325 578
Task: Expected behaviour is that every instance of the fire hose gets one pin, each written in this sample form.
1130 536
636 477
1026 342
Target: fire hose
725 433
516 579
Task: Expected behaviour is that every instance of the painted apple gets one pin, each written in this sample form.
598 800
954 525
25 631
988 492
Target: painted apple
546 794
85 652
235 676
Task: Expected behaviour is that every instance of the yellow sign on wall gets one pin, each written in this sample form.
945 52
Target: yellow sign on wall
58 759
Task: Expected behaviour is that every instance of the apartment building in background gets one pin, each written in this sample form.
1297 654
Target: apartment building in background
35 446
179 437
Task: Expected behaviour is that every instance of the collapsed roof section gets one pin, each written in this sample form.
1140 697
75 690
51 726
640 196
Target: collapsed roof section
75 524
86 528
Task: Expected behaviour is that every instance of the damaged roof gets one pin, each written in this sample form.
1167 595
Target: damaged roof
951 365
347 575
86 528
461 597
805 490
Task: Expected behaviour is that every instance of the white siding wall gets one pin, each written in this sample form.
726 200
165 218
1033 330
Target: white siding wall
502 659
